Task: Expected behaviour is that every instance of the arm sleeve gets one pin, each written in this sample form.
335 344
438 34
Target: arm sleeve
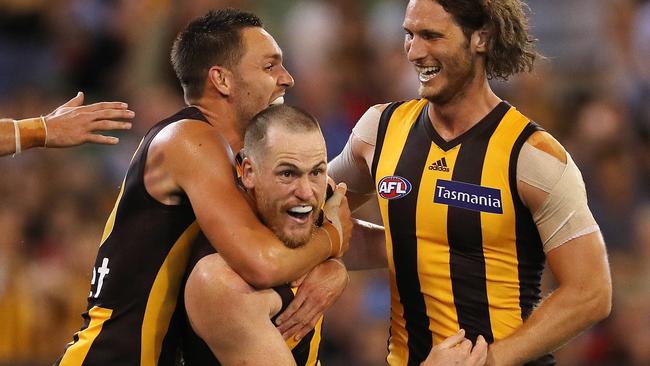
564 213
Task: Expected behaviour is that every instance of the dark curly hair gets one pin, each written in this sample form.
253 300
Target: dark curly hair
510 48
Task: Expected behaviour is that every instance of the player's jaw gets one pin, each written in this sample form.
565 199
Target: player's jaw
297 222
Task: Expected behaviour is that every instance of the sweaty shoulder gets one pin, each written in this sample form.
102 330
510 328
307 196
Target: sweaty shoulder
179 149
190 144
366 127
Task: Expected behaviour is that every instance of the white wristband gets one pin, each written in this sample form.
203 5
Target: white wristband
45 128
17 134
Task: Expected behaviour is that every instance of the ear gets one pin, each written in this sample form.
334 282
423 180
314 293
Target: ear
480 39
248 173
221 79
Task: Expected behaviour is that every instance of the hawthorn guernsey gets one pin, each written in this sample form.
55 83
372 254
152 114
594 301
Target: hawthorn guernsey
468 196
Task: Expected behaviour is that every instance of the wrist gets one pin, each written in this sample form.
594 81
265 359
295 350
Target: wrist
334 239
32 133
340 262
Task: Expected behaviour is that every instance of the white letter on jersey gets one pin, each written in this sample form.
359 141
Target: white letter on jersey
103 271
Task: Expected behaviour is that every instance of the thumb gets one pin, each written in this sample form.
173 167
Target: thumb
453 340
338 195
76 101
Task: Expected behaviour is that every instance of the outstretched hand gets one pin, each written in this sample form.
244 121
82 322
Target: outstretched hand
74 124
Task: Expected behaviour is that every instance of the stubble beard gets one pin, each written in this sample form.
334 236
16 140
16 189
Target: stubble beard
455 88
265 211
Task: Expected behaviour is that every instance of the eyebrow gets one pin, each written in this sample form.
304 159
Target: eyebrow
294 166
274 56
428 32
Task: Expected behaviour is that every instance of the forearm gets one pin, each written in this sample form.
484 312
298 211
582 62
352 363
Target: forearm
7 137
559 318
367 247
31 133
267 262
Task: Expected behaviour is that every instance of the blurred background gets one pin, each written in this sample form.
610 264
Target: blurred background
592 92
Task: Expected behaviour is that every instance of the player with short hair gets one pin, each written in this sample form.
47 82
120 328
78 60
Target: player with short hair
180 182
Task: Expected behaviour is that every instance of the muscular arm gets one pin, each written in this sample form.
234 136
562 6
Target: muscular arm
581 269
194 156
352 166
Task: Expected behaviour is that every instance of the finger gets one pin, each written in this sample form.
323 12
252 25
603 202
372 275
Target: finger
292 309
105 105
112 114
105 125
290 332
101 139
74 102
465 346
453 340
479 352
302 332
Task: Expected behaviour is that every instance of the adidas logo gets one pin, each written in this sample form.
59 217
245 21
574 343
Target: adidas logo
440 165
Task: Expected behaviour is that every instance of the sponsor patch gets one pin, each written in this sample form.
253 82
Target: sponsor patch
468 196
393 187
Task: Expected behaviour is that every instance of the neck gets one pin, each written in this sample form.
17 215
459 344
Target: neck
224 117
454 117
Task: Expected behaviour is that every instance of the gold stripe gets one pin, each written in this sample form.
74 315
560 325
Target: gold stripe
163 297
433 249
315 343
499 236
110 223
77 352
397 132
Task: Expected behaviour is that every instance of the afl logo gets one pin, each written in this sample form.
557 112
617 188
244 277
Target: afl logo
393 187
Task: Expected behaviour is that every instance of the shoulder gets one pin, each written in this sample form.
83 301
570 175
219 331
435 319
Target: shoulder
367 126
189 144
544 142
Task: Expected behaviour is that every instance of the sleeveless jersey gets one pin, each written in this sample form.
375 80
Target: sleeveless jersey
463 250
135 283
197 353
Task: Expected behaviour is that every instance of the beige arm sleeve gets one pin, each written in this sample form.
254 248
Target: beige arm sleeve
564 213
351 169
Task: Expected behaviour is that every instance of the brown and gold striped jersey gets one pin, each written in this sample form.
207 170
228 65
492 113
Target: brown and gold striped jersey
131 317
463 250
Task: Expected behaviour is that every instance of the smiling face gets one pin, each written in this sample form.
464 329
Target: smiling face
260 78
443 57
287 178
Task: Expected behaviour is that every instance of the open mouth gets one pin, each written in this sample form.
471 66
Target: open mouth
427 73
278 100
301 213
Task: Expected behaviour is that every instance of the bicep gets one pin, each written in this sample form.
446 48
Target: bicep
551 186
581 262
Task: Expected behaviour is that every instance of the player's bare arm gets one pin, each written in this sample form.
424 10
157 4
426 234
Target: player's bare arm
243 316
71 124
584 293
352 166
198 166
